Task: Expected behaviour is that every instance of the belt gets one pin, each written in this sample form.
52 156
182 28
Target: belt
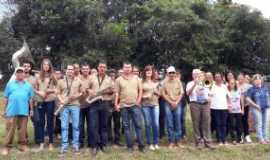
200 103
101 101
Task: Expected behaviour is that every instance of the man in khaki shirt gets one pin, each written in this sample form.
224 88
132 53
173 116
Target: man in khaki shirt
99 110
172 92
85 80
69 91
128 99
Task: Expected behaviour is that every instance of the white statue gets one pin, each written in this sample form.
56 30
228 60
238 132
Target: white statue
24 52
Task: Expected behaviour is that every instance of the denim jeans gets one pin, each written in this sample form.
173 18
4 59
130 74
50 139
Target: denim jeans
72 112
114 127
162 118
151 121
183 118
173 121
98 124
45 109
220 118
83 117
134 114
261 123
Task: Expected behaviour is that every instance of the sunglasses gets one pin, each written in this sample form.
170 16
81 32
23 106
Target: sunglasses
171 72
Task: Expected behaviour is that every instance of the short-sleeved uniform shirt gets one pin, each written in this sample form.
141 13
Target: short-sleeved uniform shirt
18 94
150 98
127 88
74 85
97 84
172 89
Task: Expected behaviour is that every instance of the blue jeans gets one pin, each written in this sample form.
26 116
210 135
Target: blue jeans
83 117
173 121
134 114
261 123
220 119
45 108
183 118
98 124
72 112
151 121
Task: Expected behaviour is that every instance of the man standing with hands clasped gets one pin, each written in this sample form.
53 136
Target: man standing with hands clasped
127 99
172 91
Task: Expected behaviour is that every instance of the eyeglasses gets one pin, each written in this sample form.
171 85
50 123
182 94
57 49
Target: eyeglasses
171 72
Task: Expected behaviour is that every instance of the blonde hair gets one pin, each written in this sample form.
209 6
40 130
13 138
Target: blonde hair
256 77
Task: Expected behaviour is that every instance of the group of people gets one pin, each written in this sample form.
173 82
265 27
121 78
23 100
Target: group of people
131 101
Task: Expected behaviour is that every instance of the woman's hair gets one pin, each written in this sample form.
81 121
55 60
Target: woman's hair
51 71
256 77
235 85
148 68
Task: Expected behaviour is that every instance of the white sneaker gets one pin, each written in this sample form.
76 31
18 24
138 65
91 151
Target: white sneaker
248 139
156 147
151 147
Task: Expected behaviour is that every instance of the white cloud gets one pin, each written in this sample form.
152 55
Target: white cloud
262 5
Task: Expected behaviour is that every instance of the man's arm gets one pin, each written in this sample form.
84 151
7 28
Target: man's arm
140 93
5 102
189 90
116 100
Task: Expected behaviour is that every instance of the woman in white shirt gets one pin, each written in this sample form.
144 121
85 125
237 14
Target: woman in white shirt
219 108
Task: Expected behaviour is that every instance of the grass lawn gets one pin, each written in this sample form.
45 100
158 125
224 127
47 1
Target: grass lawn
187 152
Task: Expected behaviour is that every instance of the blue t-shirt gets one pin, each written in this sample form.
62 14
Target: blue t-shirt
18 95
261 96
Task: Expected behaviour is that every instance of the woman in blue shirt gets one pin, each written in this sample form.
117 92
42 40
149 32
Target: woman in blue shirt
259 98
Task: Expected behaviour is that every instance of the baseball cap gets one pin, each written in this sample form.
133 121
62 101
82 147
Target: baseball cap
171 69
19 69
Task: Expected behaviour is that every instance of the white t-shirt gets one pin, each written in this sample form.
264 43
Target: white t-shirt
235 99
219 97
199 93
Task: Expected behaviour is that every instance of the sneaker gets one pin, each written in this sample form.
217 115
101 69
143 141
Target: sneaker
178 145
23 148
141 149
267 141
62 152
157 147
39 149
225 144
76 151
171 146
94 152
248 139
262 142
118 144
209 146
5 152
151 147
51 147
104 149
130 150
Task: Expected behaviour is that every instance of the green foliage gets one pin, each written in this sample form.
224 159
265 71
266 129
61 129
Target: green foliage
184 33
